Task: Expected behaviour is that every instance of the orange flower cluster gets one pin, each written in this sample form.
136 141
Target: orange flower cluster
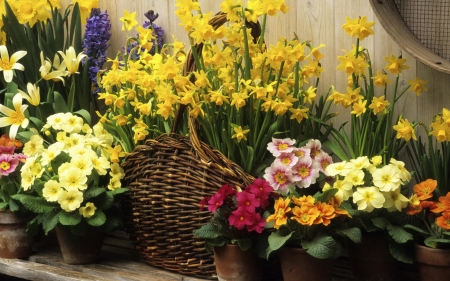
7 142
305 210
419 203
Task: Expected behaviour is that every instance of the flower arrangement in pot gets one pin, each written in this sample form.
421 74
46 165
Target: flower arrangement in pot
236 229
74 176
309 228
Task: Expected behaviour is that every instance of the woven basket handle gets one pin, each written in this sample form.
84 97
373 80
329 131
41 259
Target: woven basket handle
207 155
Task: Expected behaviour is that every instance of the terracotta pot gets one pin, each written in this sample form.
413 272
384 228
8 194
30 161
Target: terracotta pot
371 260
298 265
233 264
15 242
433 264
80 249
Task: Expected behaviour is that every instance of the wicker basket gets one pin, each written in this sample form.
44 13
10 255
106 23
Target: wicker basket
168 177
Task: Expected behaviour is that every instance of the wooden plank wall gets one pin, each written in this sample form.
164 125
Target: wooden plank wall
320 22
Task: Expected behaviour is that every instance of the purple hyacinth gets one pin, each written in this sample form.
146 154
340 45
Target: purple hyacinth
159 32
95 43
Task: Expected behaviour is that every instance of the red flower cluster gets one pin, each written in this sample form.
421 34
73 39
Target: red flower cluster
243 208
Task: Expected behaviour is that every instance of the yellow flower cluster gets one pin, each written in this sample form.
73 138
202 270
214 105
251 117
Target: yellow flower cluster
238 89
78 158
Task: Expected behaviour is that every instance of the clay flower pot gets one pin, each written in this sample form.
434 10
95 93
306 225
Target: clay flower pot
433 264
298 265
15 242
233 264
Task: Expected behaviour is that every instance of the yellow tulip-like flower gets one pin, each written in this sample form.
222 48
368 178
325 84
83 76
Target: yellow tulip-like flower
417 86
8 64
405 130
88 210
14 118
129 20
240 134
33 96
72 60
47 69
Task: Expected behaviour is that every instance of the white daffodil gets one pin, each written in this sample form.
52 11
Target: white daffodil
14 118
8 64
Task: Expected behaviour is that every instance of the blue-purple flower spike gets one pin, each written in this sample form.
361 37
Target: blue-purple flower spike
95 43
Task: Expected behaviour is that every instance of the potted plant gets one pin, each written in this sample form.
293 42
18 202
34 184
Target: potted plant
374 195
431 230
235 229
308 230
74 177
14 241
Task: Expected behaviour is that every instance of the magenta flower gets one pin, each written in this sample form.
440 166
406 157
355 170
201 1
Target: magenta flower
240 218
226 190
261 188
7 149
258 223
204 202
215 202
247 201
278 146
8 164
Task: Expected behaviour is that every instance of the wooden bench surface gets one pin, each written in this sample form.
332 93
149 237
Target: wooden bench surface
119 261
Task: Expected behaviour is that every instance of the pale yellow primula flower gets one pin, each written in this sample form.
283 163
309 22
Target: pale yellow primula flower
88 210
395 201
83 163
368 198
70 200
386 178
14 118
100 164
27 179
355 177
51 191
73 178
34 146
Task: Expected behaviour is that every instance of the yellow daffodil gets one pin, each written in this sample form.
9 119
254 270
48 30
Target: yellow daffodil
381 79
299 113
72 60
240 133
405 130
30 11
359 107
88 210
85 8
395 65
417 86
8 64
14 118
129 20
378 105
33 96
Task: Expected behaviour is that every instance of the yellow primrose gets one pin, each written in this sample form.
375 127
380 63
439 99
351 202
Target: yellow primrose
70 200
88 210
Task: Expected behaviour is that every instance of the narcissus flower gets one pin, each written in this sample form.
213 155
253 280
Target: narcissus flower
14 118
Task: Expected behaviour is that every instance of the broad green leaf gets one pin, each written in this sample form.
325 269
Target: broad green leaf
62 158
60 104
401 252
321 247
353 233
93 192
72 218
244 244
97 219
277 239
432 242
379 222
399 234
415 228
37 205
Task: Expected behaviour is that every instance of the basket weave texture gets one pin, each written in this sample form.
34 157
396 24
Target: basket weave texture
168 177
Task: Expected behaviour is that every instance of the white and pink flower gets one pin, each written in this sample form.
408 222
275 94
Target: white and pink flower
315 146
279 176
287 159
305 172
278 146
8 164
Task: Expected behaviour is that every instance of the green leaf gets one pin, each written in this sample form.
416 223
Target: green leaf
72 218
415 228
433 242
399 234
244 243
379 222
321 247
83 113
401 252
50 221
353 233
277 239
3 205
207 231
93 192
118 191
326 195
104 201
97 219
37 205
13 206
59 103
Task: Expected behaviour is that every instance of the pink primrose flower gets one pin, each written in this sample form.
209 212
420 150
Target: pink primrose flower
279 177
324 160
302 152
287 159
240 218
8 164
4 149
227 190
315 147
278 146
305 173
247 201
215 202
204 202
258 223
